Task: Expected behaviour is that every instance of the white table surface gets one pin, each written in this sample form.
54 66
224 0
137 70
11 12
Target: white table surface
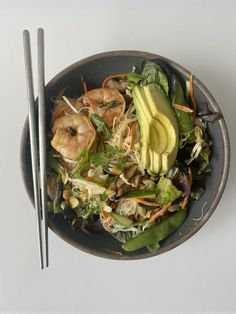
197 277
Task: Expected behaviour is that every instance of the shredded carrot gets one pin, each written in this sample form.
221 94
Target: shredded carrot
84 83
132 133
89 178
132 129
192 97
159 212
141 201
110 77
185 201
182 108
104 214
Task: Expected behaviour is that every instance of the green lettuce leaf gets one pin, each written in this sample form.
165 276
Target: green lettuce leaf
166 191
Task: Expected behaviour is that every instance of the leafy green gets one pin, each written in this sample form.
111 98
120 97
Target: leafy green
154 74
166 191
101 125
151 73
204 156
112 150
120 164
83 161
135 77
105 157
58 198
109 180
77 175
52 164
205 161
100 159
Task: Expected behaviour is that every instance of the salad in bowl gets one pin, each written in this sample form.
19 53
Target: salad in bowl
126 158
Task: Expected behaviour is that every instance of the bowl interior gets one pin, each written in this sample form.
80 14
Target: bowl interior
95 69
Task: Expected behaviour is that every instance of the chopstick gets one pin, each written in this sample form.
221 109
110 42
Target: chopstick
42 137
38 164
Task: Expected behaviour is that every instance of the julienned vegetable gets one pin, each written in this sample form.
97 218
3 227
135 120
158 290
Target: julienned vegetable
124 158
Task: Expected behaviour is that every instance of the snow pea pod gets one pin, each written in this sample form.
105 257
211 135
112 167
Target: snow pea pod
156 233
186 127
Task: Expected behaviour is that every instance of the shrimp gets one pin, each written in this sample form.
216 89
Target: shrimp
72 133
108 103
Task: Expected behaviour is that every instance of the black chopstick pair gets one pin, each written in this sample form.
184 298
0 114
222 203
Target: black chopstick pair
38 154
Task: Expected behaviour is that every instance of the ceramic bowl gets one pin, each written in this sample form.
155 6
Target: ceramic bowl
95 69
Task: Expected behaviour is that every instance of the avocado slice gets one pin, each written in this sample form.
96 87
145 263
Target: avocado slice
160 106
142 106
155 161
152 134
145 156
158 128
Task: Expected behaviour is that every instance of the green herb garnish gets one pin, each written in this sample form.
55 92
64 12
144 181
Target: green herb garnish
120 164
83 164
100 159
101 125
